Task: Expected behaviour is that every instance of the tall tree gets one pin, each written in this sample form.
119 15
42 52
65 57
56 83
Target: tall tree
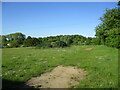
109 30
28 41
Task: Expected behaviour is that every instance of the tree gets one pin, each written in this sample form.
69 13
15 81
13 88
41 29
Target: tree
15 36
4 41
95 41
88 41
69 41
108 31
28 42
60 44
13 43
113 38
35 41
12 38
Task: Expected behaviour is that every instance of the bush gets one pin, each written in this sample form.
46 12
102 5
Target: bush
14 43
60 44
44 45
52 44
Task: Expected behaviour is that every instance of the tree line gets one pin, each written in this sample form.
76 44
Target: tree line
107 33
20 40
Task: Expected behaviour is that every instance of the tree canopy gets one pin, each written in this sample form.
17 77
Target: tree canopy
108 32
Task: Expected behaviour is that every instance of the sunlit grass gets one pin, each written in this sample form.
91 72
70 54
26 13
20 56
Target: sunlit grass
101 64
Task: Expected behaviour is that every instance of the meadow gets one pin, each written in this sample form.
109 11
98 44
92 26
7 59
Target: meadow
100 62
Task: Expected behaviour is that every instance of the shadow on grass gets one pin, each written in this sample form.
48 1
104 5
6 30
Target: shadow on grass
15 85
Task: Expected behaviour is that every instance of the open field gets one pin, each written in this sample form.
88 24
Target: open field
100 63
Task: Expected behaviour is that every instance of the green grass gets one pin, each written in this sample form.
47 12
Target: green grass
101 64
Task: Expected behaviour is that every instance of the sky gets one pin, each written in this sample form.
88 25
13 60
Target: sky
42 19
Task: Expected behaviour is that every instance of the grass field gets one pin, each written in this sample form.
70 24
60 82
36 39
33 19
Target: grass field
101 64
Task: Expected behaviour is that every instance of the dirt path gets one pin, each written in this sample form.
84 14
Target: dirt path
59 77
88 48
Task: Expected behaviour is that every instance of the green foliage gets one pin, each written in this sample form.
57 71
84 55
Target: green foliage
14 40
88 41
52 44
44 45
46 42
113 38
60 44
35 41
14 43
95 41
109 30
61 41
3 41
29 42
15 36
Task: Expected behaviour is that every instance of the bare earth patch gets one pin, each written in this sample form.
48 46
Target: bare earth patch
59 77
88 48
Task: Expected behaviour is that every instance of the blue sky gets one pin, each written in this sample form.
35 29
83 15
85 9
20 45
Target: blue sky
41 19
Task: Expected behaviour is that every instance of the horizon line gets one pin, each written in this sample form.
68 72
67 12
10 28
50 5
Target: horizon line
48 35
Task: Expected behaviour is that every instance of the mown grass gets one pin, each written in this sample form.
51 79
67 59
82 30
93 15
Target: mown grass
101 64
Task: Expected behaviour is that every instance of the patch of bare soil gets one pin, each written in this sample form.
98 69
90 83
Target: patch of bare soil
88 48
59 77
